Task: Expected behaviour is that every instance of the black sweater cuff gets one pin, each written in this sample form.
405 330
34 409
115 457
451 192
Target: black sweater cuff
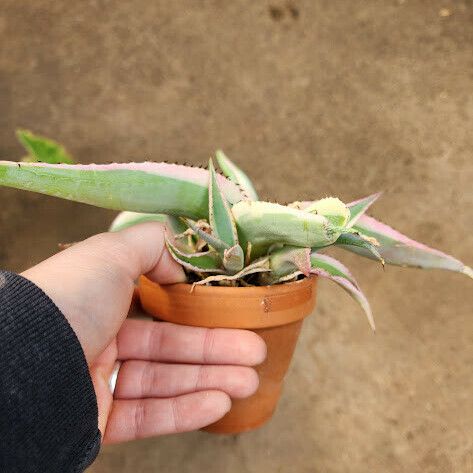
48 407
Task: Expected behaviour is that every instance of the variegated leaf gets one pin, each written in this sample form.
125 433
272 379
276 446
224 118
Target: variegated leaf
176 224
349 240
288 260
220 216
329 268
215 243
233 259
359 207
259 266
358 295
234 173
206 262
128 219
333 209
398 249
147 187
264 224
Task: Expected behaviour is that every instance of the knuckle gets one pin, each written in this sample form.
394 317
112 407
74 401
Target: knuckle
148 379
208 345
157 340
202 377
176 414
139 418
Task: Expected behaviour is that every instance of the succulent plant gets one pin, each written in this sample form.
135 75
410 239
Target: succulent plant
218 230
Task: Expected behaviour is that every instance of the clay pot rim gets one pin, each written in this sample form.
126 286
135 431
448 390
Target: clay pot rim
229 307
242 291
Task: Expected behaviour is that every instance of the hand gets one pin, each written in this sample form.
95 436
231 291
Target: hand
172 378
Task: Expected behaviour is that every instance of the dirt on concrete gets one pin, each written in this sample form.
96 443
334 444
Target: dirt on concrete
312 98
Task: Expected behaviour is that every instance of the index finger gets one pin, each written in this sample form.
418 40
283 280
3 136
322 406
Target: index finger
164 341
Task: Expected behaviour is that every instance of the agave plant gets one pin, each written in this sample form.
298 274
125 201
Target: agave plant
218 229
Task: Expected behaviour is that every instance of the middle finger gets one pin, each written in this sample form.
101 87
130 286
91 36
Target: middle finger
146 379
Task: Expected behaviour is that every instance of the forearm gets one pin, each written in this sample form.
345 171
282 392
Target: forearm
48 409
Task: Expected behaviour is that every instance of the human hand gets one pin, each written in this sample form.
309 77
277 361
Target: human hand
172 378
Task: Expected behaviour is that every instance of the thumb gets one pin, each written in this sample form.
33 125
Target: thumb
92 282
145 251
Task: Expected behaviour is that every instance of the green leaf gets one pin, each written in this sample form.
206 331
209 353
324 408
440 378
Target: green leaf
359 207
176 224
264 224
128 219
331 266
220 216
234 173
206 262
350 240
43 149
233 259
288 260
215 243
138 187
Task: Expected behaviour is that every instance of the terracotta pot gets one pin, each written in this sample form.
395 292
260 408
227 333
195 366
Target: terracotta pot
274 312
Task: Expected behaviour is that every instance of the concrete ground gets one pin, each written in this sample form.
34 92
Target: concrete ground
313 98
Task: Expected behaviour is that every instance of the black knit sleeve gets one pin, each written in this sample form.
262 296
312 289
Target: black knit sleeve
48 408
